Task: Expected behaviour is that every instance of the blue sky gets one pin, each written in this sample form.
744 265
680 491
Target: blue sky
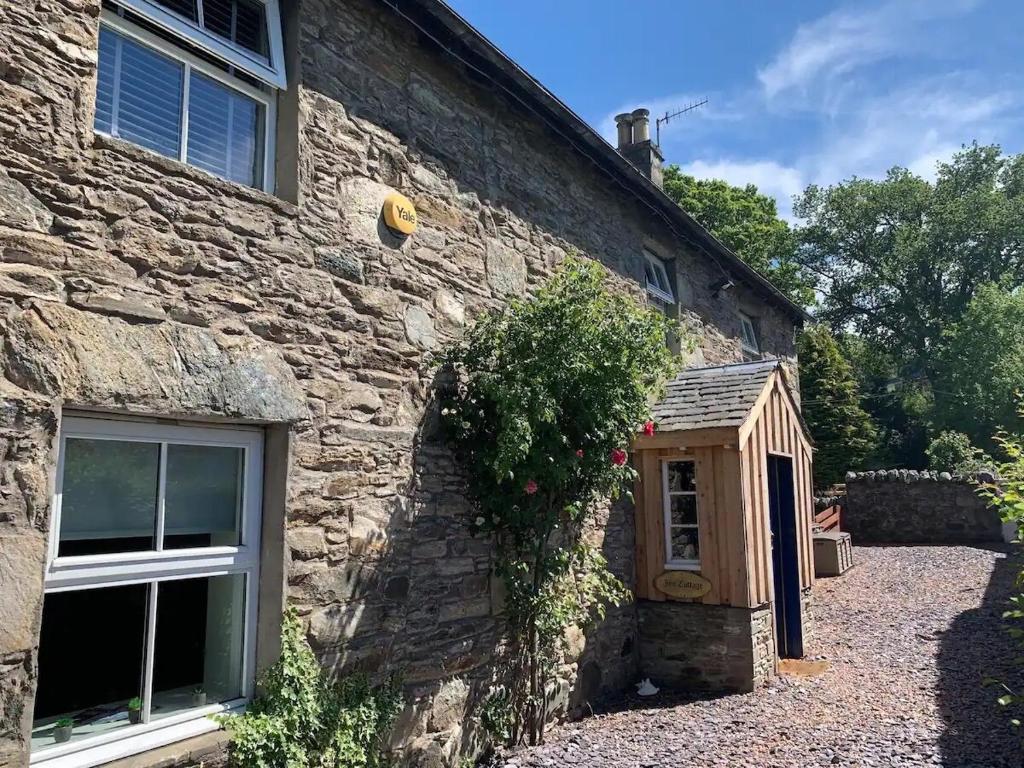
800 92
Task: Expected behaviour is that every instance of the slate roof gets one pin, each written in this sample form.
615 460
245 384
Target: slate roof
719 396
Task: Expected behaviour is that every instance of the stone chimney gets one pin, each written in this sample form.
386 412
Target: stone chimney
634 132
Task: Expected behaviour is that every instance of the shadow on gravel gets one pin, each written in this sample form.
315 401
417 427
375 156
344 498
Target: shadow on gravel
977 733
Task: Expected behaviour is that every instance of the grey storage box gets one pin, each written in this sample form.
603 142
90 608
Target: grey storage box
833 553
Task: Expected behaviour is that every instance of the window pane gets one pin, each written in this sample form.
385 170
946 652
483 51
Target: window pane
224 131
681 476
685 545
147 97
203 496
109 43
684 510
200 626
186 8
241 21
108 501
91 651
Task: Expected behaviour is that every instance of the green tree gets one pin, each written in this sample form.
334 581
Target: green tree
980 366
900 259
544 399
953 452
843 432
748 222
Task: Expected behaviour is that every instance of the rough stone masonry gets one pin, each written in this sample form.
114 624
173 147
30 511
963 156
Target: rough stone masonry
133 284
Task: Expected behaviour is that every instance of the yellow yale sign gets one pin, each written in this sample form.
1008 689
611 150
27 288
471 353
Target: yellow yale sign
399 214
685 584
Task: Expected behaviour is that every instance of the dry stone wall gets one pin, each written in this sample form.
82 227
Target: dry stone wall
134 284
910 507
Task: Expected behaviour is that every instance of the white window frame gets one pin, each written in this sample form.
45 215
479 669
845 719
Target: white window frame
747 327
269 69
107 570
661 269
671 562
267 100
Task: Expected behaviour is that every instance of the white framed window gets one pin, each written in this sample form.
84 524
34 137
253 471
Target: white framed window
658 283
748 336
169 97
245 34
151 587
679 496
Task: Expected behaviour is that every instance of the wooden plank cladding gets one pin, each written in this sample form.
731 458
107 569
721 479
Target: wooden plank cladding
731 482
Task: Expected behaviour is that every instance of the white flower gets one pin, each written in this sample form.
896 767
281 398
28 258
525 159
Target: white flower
480 521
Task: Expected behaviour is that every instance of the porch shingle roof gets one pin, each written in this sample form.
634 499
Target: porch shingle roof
718 396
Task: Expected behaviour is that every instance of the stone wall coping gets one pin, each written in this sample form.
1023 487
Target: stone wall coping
922 475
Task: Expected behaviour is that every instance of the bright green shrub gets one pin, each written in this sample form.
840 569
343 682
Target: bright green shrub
301 719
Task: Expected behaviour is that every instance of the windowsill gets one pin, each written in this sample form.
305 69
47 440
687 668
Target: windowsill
170 167
688 566
148 737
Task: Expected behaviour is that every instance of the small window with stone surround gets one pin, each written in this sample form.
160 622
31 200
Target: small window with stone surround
679 495
194 80
151 586
748 335
659 284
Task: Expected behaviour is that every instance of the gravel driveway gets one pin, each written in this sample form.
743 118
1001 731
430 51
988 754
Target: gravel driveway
909 635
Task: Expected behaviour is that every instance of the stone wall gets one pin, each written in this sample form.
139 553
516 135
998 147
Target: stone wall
696 647
134 284
909 507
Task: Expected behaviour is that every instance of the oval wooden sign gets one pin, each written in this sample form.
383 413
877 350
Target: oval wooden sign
687 584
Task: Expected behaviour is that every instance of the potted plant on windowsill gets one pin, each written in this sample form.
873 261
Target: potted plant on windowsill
135 711
199 696
62 729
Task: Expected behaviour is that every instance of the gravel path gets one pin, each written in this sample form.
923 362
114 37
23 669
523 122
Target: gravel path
909 634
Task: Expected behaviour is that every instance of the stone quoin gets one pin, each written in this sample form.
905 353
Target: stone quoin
216 368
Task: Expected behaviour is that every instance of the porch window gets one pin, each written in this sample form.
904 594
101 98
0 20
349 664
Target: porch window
656 272
679 493
151 583
193 82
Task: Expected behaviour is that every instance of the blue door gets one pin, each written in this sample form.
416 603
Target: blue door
785 562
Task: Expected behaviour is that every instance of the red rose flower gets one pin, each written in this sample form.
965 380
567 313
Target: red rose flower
531 487
618 457
649 428
579 453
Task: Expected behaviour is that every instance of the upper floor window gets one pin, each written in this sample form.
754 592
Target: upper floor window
679 495
748 336
151 587
167 88
657 274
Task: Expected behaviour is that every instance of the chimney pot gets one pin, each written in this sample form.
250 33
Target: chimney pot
624 124
641 125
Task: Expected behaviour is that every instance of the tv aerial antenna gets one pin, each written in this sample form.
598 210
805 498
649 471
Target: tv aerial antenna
670 115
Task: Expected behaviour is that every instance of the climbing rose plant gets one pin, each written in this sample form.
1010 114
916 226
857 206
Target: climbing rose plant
543 399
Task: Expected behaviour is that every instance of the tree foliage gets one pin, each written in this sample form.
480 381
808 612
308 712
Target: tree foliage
842 431
748 223
953 452
545 397
302 719
899 259
980 366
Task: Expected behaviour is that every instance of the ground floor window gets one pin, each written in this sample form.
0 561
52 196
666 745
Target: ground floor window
679 494
149 612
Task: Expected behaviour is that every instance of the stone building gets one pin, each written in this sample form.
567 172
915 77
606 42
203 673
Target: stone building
216 358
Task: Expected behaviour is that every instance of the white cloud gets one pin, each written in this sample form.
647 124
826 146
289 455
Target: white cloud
771 178
845 40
